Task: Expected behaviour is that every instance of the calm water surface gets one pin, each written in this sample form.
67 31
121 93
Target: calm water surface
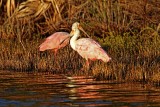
21 89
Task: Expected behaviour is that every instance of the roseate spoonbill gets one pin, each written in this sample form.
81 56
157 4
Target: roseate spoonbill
55 41
86 47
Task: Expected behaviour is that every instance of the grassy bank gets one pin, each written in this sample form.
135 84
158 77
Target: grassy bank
130 37
132 59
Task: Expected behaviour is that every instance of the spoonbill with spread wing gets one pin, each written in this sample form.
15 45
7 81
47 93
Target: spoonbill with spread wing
55 42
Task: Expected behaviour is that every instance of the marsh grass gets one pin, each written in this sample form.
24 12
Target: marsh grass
14 57
127 30
131 64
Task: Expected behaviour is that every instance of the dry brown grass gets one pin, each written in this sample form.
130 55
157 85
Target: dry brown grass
111 17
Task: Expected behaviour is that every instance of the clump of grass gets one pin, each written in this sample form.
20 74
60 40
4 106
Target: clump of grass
155 79
133 58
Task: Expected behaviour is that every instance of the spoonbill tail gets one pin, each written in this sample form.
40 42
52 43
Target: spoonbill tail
86 47
55 42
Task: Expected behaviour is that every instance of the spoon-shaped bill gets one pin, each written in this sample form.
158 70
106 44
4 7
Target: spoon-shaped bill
80 28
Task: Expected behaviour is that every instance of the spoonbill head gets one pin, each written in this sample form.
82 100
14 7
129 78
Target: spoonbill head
75 30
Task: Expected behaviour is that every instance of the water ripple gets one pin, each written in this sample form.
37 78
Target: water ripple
47 89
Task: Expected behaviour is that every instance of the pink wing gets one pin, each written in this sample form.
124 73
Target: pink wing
53 41
90 49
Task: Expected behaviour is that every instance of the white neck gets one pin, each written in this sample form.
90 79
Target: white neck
74 38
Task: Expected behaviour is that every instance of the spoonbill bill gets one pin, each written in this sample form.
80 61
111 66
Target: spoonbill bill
55 42
86 47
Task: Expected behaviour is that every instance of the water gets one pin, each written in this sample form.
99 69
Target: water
21 89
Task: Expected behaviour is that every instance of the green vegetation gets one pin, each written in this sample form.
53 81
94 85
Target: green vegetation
126 29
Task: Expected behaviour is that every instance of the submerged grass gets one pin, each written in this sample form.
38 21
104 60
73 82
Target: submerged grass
130 37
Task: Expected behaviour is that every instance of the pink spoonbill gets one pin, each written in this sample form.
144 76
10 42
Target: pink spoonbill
86 47
55 42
